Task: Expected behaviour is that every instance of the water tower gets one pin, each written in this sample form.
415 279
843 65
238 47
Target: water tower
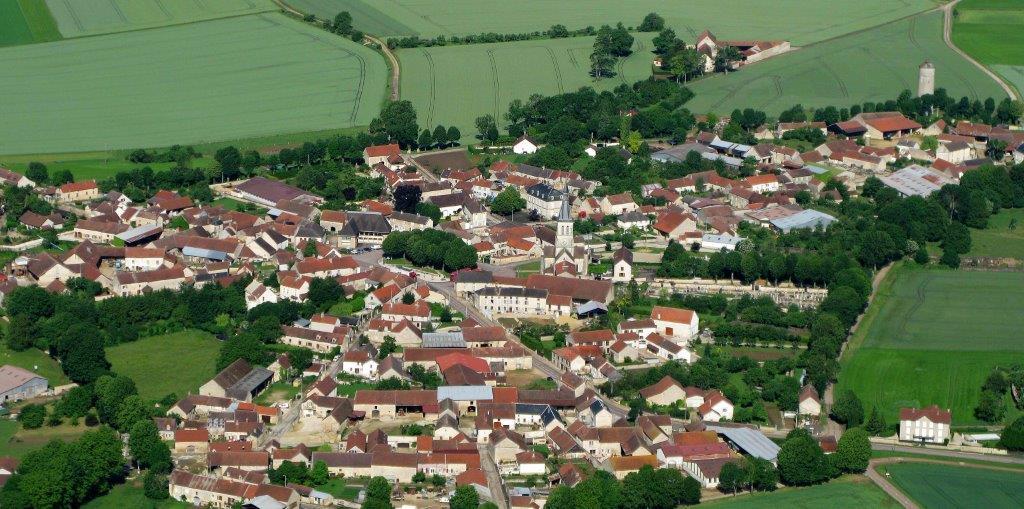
926 79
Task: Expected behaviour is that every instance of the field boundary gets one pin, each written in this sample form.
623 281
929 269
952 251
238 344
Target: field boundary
947 31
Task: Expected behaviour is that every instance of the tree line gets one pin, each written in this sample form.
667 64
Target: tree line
430 248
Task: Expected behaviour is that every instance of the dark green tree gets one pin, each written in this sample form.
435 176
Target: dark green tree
854 451
147 448
32 416
652 23
155 486
801 461
398 122
1013 435
848 409
876 423
507 202
465 497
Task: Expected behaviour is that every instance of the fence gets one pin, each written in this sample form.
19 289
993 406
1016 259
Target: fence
24 246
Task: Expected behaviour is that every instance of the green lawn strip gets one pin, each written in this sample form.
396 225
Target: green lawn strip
832 72
849 492
131 495
991 31
951 460
276 392
192 353
342 488
934 485
331 83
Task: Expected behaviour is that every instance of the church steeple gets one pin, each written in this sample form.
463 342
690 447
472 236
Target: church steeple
564 238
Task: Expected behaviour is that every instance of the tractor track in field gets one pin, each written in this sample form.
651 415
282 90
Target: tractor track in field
947 37
497 83
842 85
558 72
433 85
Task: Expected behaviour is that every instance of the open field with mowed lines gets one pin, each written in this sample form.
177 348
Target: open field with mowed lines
934 486
192 352
444 89
26 22
850 492
932 337
224 79
992 31
800 21
77 18
872 65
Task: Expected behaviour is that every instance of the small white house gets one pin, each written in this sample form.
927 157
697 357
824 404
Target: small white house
930 424
530 463
716 407
675 322
809 402
525 145
359 363
622 269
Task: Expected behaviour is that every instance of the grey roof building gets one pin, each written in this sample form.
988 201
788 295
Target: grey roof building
804 219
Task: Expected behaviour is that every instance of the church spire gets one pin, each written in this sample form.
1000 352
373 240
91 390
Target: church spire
563 213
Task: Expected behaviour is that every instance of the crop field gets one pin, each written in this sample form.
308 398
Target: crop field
193 353
800 21
992 31
866 66
26 22
932 337
933 485
851 492
440 84
76 18
225 79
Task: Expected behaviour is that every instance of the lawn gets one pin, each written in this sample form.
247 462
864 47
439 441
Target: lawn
18 442
865 66
234 78
31 359
801 21
528 268
759 353
280 391
851 492
931 337
456 84
178 362
130 494
340 488
999 240
77 18
26 22
933 485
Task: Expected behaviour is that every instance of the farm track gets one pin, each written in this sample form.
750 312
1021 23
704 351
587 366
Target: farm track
433 86
497 83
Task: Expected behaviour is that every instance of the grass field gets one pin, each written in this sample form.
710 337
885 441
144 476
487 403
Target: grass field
77 18
866 66
998 240
26 22
992 31
179 362
30 359
226 79
932 485
801 21
18 442
438 83
931 337
131 494
851 492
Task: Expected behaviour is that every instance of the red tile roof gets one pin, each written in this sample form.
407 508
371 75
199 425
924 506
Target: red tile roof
933 413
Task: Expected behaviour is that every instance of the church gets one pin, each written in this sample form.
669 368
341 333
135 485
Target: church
567 257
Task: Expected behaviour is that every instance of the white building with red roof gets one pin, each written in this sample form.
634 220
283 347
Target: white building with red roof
929 424
676 323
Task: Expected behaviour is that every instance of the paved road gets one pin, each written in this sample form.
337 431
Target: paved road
947 30
498 492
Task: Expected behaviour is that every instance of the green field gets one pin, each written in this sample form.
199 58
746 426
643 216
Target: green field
999 240
866 66
941 486
801 21
179 362
26 22
991 31
31 359
851 492
932 337
131 494
18 442
439 83
226 79
77 18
